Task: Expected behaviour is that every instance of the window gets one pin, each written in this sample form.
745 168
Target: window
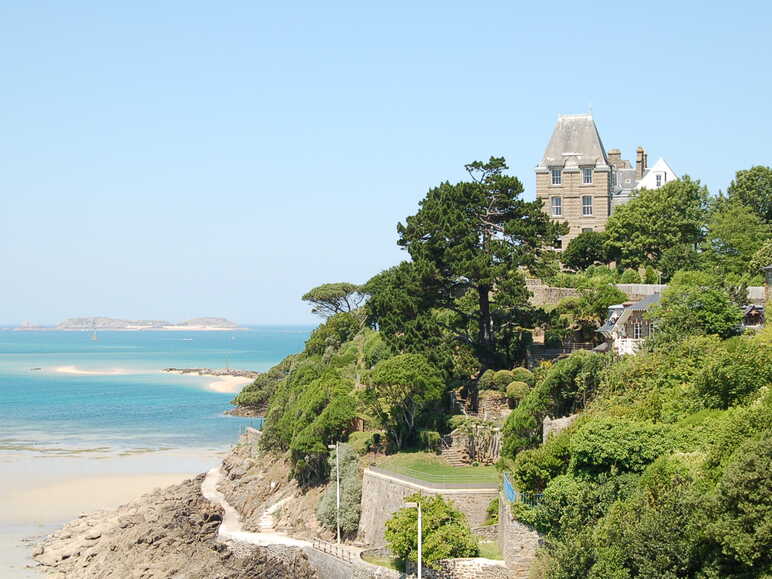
586 205
559 244
557 206
586 229
659 180
556 177
614 179
637 331
586 176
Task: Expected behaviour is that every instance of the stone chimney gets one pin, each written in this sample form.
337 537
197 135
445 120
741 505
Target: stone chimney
640 163
614 157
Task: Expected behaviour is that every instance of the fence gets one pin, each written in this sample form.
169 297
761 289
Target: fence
338 551
515 496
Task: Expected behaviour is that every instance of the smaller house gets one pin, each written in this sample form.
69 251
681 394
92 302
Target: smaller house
753 317
626 327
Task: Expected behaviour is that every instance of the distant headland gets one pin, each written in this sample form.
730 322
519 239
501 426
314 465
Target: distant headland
104 323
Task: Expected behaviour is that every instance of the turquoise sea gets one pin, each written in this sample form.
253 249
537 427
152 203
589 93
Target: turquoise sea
63 392
90 424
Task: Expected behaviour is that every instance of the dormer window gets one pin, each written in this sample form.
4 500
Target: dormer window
586 176
557 206
557 176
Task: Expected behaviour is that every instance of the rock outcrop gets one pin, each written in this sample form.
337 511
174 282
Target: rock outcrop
168 533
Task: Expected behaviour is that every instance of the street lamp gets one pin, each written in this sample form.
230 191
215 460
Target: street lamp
417 505
336 448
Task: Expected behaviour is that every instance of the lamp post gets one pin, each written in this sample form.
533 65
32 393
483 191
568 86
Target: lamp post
417 505
336 448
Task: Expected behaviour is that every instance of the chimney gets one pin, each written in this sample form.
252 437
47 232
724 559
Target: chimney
614 157
640 163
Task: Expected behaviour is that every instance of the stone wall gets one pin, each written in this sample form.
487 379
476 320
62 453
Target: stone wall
488 532
384 493
493 405
555 425
472 568
543 295
518 542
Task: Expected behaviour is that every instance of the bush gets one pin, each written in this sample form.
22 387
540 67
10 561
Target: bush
486 381
523 375
734 375
361 442
338 329
350 494
534 469
516 391
650 276
502 378
492 512
445 532
429 440
630 276
614 445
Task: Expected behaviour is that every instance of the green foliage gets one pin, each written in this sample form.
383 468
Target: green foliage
753 188
533 469
640 231
695 303
338 329
650 275
445 532
502 378
735 234
630 276
259 392
523 375
735 374
516 391
487 380
362 442
492 512
565 388
467 239
613 445
350 494
586 249
400 391
334 298
762 258
375 348
429 440
582 316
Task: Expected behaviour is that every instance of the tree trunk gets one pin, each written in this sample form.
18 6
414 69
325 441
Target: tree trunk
485 328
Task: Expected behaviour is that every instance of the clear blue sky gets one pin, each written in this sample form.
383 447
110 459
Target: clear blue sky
175 159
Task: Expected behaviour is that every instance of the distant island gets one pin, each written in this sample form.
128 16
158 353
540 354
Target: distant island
104 323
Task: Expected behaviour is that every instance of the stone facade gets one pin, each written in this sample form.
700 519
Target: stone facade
555 425
518 542
471 568
384 493
493 405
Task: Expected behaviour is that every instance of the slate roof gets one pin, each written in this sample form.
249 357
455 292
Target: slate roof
644 304
575 142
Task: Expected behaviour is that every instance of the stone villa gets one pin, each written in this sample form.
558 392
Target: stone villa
580 183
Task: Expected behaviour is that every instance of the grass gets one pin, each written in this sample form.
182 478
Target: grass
432 468
490 550
389 562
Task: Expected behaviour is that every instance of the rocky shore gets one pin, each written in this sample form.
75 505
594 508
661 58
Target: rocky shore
168 533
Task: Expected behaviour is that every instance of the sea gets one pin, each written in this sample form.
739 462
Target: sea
77 407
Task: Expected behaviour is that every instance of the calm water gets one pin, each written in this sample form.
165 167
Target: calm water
115 399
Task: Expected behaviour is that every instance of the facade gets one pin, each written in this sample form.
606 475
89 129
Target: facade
581 184
626 327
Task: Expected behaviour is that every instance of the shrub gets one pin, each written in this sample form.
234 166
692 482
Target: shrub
502 378
486 381
492 512
445 532
350 494
650 275
516 391
523 375
338 329
533 469
735 375
614 445
630 276
361 442
429 439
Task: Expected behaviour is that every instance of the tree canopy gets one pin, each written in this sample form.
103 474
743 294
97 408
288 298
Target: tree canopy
735 234
641 230
584 250
753 188
334 298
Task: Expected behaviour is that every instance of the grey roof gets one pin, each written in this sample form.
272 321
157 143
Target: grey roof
575 142
644 304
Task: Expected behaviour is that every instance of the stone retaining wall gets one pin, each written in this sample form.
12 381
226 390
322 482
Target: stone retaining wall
473 568
384 493
555 425
488 532
518 542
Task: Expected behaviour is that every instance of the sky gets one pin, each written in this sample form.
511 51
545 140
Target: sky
175 159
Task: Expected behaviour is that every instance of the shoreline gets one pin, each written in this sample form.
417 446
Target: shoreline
228 381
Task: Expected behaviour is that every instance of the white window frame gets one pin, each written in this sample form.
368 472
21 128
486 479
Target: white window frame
558 206
637 330
659 180
557 176
586 207
586 176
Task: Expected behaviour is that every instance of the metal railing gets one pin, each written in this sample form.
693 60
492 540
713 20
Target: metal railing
515 496
338 551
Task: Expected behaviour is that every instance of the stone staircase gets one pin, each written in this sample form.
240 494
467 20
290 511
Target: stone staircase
454 456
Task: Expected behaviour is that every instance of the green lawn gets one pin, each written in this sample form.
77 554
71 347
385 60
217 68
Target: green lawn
432 468
490 550
389 562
